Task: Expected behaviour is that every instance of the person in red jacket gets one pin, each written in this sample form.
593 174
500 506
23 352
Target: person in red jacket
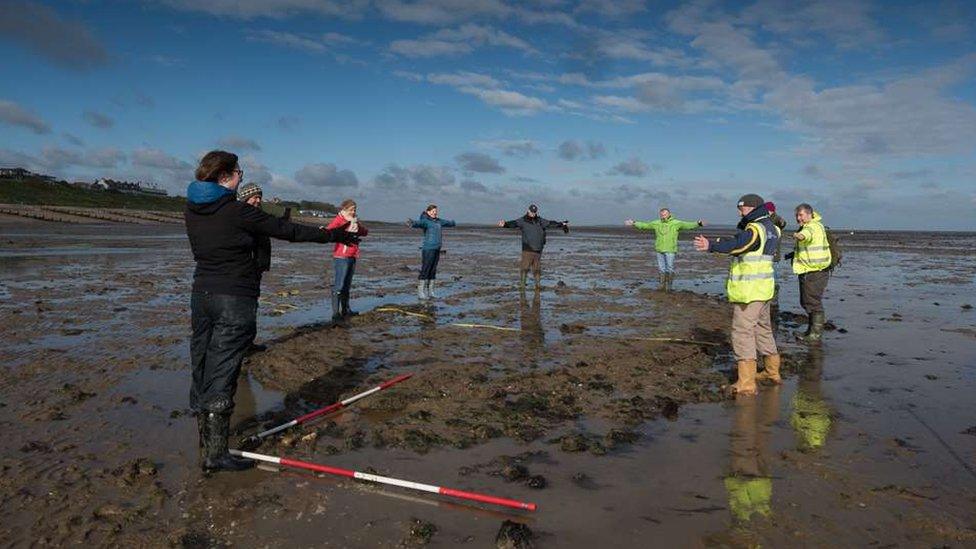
344 258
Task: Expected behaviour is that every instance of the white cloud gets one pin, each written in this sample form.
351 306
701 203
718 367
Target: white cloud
632 167
479 163
521 148
612 9
14 115
98 120
439 12
287 39
461 79
577 150
236 143
429 48
325 175
459 41
511 103
156 158
255 171
276 9
846 22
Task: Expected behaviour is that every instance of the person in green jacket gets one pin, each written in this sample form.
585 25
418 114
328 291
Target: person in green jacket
665 242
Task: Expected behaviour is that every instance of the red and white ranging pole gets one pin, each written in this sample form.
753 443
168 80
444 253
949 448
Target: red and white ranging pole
328 409
472 496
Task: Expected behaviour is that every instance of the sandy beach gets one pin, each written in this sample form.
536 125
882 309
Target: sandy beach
599 398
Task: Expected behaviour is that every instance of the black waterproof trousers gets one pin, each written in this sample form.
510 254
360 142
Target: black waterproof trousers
812 287
224 327
428 265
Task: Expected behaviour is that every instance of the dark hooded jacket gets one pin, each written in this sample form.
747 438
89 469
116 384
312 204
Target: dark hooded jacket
745 239
533 231
224 234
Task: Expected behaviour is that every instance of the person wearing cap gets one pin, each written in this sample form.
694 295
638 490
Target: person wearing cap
750 288
344 258
533 228
666 231
430 250
811 263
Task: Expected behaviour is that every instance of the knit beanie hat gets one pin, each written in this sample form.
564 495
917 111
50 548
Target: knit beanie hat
247 191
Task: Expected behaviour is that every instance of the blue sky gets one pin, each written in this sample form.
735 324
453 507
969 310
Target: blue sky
597 111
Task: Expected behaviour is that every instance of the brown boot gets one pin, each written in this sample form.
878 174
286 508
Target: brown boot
770 375
746 384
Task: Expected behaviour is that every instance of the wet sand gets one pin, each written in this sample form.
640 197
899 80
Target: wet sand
620 440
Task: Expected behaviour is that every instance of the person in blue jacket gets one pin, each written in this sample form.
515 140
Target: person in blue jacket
430 251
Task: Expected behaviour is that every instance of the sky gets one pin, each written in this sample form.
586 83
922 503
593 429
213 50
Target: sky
595 111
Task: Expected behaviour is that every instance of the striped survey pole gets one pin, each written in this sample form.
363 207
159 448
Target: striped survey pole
328 409
461 494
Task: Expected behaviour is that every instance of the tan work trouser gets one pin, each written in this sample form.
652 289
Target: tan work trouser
752 330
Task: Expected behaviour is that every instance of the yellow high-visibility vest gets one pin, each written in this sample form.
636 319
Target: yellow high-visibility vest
813 252
751 275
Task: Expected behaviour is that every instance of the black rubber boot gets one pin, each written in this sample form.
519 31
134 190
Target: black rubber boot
336 309
344 304
814 329
215 455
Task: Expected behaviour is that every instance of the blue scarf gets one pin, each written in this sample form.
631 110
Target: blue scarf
204 192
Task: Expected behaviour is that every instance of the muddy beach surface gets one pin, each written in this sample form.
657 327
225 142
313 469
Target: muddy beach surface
577 398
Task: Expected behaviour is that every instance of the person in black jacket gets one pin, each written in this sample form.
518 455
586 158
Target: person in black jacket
223 234
533 228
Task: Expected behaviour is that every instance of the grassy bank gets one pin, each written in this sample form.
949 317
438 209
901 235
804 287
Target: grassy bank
39 192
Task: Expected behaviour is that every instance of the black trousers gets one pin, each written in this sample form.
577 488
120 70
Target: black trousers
428 265
224 327
812 287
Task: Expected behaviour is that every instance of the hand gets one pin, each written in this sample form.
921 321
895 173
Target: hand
565 227
788 257
701 223
410 223
701 243
629 222
501 224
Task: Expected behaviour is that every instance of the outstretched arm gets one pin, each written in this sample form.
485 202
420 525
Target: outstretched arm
688 225
744 241
645 225
260 223
508 224
447 223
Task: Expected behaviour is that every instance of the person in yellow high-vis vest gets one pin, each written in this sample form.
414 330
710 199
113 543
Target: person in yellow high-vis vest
811 262
750 288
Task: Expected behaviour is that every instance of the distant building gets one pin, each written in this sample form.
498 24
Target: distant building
313 213
105 184
16 173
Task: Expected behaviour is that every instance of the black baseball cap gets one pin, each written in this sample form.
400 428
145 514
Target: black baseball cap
533 208
753 200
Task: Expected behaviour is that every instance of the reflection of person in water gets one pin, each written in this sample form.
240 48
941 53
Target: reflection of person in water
750 484
810 416
530 317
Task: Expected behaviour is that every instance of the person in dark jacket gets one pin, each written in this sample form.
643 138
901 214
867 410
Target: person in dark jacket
223 234
533 228
430 250
750 287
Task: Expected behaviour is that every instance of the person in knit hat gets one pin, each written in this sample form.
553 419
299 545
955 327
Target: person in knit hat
251 194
